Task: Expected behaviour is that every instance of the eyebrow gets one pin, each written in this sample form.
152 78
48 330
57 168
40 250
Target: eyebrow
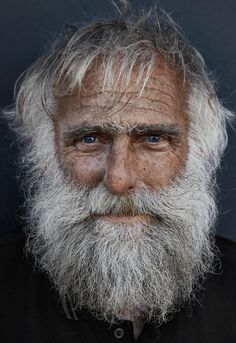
76 131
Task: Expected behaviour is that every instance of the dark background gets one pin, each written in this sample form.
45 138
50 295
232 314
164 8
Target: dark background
27 26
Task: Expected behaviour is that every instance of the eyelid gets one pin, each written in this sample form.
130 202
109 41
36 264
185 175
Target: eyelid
80 139
99 138
89 136
161 135
166 136
85 134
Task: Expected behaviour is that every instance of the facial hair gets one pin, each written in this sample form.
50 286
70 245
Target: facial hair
146 269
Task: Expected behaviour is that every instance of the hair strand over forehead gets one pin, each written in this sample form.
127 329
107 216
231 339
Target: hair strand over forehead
115 48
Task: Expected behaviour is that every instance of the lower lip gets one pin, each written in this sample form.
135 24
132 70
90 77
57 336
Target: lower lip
127 219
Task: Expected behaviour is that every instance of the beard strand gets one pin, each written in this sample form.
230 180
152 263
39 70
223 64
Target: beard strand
145 270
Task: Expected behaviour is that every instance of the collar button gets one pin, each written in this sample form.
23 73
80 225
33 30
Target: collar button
119 333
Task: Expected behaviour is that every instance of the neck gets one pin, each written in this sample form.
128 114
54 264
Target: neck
137 325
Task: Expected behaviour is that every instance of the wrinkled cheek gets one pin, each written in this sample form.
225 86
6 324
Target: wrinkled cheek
162 172
84 171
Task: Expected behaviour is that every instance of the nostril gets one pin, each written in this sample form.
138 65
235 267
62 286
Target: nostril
130 189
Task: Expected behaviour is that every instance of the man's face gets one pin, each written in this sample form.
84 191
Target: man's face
127 234
125 142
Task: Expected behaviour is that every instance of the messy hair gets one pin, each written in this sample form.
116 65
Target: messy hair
119 46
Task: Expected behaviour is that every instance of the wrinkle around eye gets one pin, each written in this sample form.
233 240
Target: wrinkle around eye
84 149
159 146
88 147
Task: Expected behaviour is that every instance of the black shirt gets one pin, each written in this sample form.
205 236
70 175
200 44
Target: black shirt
30 312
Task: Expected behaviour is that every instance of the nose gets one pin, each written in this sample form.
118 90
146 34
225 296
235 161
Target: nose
120 176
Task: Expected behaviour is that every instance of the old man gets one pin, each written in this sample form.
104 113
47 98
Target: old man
122 133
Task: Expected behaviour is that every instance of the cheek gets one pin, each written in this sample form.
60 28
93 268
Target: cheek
159 170
85 170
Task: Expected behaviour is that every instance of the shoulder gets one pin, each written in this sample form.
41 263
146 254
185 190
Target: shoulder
227 245
12 241
223 282
13 263
227 254
11 248
220 286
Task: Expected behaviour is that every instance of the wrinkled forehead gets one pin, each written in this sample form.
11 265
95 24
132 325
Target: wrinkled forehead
160 91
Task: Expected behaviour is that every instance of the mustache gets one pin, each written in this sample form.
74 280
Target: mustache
101 202
98 201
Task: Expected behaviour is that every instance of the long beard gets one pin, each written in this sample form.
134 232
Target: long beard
148 269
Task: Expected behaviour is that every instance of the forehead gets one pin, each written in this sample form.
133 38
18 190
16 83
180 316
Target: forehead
162 99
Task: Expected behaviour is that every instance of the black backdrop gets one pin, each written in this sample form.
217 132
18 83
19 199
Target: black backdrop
26 26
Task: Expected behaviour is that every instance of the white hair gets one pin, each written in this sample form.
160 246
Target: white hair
181 245
117 47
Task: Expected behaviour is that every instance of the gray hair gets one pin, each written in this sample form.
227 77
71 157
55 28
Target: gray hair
162 268
129 42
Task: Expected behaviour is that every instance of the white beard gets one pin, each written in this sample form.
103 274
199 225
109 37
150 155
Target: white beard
141 271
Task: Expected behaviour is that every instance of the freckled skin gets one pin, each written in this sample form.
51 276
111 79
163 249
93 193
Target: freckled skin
124 163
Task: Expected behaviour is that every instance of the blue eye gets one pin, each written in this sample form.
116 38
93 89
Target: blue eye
89 139
154 138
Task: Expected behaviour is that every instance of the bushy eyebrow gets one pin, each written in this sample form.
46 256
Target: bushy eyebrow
167 129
